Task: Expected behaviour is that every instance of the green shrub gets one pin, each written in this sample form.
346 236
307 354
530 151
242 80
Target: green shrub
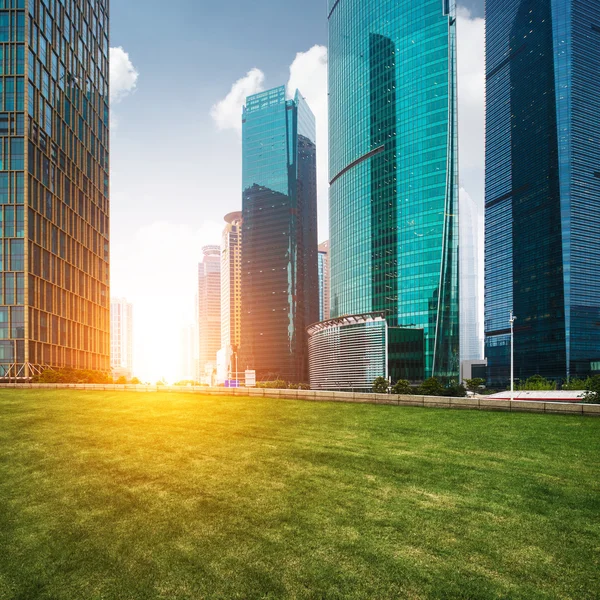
537 383
455 390
71 376
381 385
575 385
431 387
277 384
298 386
592 391
473 385
402 387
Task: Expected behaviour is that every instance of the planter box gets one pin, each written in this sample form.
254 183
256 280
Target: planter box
525 406
503 405
564 408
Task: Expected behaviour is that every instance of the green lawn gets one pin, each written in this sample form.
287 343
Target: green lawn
142 496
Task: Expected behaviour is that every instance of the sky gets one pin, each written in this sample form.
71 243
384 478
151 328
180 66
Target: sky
178 81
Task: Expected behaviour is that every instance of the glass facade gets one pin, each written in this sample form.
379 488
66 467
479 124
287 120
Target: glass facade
324 281
54 186
280 288
394 170
543 187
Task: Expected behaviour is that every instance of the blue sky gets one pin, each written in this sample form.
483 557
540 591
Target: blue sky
175 173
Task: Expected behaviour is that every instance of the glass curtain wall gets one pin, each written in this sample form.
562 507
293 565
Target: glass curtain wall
280 288
54 186
394 170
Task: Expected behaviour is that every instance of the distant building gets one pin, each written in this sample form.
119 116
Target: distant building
542 188
471 278
280 287
209 310
121 338
324 281
231 303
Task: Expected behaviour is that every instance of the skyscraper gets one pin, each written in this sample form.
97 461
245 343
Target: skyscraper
231 284
209 309
543 187
394 175
471 276
280 289
54 180
121 338
323 281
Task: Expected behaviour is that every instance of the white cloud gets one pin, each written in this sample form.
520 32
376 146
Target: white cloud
227 113
123 75
471 90
157 270
308 73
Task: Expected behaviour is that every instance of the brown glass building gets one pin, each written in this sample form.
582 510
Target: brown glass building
54 186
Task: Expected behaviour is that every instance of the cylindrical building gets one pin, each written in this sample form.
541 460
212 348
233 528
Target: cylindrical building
394 171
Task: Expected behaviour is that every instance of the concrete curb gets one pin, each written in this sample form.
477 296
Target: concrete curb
480 403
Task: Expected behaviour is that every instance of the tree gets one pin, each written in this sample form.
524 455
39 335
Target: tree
402 387
473 385
592 392
121 380
381 385
537 383
431 387
135 381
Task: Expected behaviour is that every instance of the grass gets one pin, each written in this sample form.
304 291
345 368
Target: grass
120 496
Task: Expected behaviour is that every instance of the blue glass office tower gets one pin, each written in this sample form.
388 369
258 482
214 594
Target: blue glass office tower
543 187
280 287
54 186
394 175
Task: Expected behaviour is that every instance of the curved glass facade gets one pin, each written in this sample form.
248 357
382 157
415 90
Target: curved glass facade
394 168
542 187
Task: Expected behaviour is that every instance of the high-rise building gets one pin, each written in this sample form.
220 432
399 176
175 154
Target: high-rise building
209 309
323 281
121 338
280 288
54 124
231 284
394 176
471 278
543 188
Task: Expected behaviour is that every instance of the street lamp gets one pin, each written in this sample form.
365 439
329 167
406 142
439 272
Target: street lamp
512 320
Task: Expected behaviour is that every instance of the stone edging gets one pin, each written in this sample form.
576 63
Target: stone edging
479 403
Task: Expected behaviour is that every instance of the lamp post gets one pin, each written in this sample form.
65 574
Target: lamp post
512 320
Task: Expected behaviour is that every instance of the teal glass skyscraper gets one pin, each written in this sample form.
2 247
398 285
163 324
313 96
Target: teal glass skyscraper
54 186
280 287
394 174
543 188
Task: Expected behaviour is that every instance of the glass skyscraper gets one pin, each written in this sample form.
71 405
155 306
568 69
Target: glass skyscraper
323 281
280 287
543 187
54 186
394 174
